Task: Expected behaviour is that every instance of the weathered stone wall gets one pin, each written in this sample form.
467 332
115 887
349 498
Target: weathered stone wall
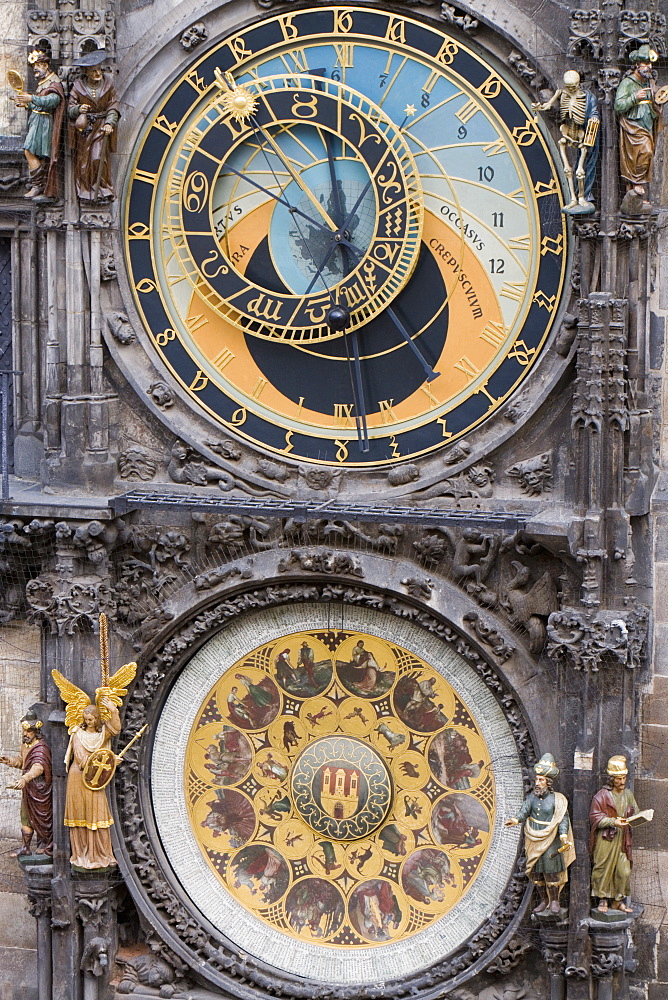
20 662
13 42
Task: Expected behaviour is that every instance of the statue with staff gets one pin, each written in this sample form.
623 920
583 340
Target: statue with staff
90 761
94 114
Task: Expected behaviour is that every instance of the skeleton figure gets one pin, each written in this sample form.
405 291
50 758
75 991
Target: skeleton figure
579 121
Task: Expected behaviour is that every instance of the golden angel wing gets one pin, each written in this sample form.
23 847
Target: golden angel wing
116 690
75 699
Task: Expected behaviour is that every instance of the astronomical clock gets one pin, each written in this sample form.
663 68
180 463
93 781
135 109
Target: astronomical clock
344 237
345 247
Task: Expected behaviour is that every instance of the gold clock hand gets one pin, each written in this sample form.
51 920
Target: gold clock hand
295 176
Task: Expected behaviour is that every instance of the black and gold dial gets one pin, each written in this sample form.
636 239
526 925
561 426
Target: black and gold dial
345 227
350 157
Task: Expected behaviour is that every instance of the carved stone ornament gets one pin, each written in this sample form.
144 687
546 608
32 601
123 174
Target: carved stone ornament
227 449
66 610
214 577
510 957
161 395
534 475
475 482
641 26
554 949
136 463
95 219
194 35
605 964
321 561
592 641
420 587
453 15
585 33
272 470
208 951
403 475
526 70
107 263
489 636
120 328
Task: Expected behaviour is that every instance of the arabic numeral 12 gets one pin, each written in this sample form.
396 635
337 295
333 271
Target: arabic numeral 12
497 265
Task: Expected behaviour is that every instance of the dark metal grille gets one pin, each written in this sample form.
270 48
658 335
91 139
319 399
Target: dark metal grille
330 509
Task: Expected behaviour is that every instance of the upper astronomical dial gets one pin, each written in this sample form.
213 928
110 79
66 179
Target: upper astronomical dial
343 226
386 167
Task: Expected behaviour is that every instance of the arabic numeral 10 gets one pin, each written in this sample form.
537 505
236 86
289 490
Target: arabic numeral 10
485 174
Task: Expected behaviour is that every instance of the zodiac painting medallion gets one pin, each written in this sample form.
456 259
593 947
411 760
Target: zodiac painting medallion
318 740
338 789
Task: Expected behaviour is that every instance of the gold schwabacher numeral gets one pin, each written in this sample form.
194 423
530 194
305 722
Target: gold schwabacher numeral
396 30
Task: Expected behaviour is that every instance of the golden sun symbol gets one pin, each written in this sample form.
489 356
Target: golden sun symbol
239 103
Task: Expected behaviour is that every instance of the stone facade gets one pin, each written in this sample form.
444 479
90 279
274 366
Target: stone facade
536 547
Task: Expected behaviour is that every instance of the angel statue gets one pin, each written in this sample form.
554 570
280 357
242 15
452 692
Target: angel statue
90 760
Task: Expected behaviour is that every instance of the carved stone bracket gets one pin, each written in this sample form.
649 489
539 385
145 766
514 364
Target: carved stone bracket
95 910
39 904
554 949
607 33
211 954
585 37
591 641
511 956
71 32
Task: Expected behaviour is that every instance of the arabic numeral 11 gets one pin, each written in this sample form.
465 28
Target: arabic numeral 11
485 174
497 220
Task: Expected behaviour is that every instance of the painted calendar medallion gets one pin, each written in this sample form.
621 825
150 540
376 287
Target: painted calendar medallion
341 821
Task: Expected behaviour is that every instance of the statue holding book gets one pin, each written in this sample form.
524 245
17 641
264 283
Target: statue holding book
613 813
